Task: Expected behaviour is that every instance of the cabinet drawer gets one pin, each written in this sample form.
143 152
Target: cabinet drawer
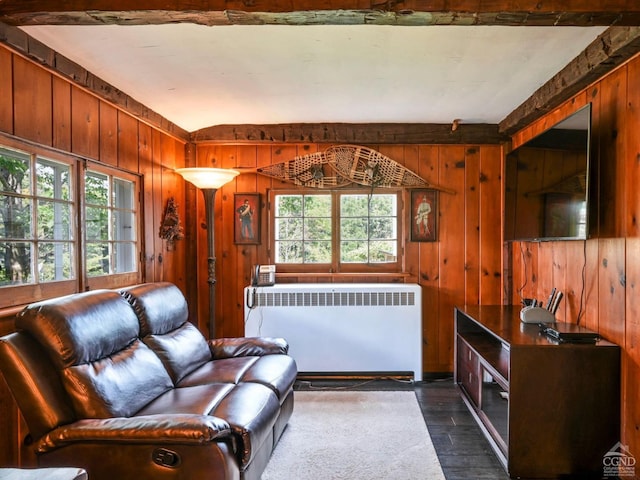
468 372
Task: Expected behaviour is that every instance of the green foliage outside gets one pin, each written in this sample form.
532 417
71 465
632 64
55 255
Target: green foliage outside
368 232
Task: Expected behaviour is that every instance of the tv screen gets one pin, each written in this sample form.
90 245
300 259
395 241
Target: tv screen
547 183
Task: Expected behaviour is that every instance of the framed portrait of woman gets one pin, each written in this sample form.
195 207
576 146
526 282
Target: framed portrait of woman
247 218
424 215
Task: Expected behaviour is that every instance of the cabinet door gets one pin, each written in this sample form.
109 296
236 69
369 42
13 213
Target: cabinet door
468 371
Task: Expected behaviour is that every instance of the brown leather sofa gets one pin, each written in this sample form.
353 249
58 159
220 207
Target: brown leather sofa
121 384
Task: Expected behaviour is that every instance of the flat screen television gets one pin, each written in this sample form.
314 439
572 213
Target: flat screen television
547 183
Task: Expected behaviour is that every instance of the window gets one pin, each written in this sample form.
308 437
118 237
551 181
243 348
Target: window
111 223
37 238
44 249
336 231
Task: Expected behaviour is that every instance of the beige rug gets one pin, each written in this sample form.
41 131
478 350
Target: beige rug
355 436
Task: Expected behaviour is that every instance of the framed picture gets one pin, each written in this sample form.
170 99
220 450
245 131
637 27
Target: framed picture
424 215
246 227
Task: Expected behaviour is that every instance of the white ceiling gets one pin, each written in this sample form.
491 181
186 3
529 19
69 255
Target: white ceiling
197 76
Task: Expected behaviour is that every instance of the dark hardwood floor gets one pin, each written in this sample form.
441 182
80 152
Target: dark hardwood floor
463 451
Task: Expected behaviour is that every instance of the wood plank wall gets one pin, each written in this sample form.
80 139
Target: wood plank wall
38 106
601 276
464 265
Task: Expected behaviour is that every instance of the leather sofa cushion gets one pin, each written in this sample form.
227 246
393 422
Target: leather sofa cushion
277 372
182 350
92 339
162 312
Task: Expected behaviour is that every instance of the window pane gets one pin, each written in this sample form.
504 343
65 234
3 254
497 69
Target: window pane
55 261
123 225
288 252
15 263
97 223
125 260
317 205
52 179
123 191
98 260
381 252
384 205
353 229
289 229
15 218
382 228
96 188
317 252
353 252
15 174
54 221
354 205
288 206
317 228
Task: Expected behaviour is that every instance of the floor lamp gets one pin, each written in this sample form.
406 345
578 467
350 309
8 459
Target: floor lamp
209 180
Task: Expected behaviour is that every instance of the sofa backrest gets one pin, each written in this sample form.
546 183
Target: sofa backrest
163 315
92 339
34 384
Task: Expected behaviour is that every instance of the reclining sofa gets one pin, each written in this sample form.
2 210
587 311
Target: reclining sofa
121 384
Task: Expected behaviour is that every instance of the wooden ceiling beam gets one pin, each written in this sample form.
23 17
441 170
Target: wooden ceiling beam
362 134
614 47
326 12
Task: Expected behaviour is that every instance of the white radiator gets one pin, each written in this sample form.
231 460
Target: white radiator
342 327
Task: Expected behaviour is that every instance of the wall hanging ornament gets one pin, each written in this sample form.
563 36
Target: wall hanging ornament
344 165
171 228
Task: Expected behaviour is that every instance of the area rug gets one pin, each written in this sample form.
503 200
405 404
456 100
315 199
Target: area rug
355 435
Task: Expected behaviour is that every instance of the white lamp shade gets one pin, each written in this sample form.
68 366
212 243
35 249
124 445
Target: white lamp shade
207 177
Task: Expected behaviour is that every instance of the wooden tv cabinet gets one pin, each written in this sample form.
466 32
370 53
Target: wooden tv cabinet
548 410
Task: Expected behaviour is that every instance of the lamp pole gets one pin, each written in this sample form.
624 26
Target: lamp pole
209 204
209 180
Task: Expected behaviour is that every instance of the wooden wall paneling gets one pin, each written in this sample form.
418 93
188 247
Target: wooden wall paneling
6 87
145 156
452 243
246 255
631 355
109 134
545 266
612 157
592 285
411 249
227 261
153 222
61 114
172 187
263 185
32 95
428 270
632 172
490 225
128 142
282 153
179 192
85 124
559 278
612 289
472 208
574 285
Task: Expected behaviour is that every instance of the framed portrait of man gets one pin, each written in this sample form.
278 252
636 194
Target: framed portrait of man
424 215
247 218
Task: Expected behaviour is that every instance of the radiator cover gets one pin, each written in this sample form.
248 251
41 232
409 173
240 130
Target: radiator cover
342 327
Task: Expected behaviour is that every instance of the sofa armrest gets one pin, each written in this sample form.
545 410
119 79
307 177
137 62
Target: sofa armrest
247 347
154 429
